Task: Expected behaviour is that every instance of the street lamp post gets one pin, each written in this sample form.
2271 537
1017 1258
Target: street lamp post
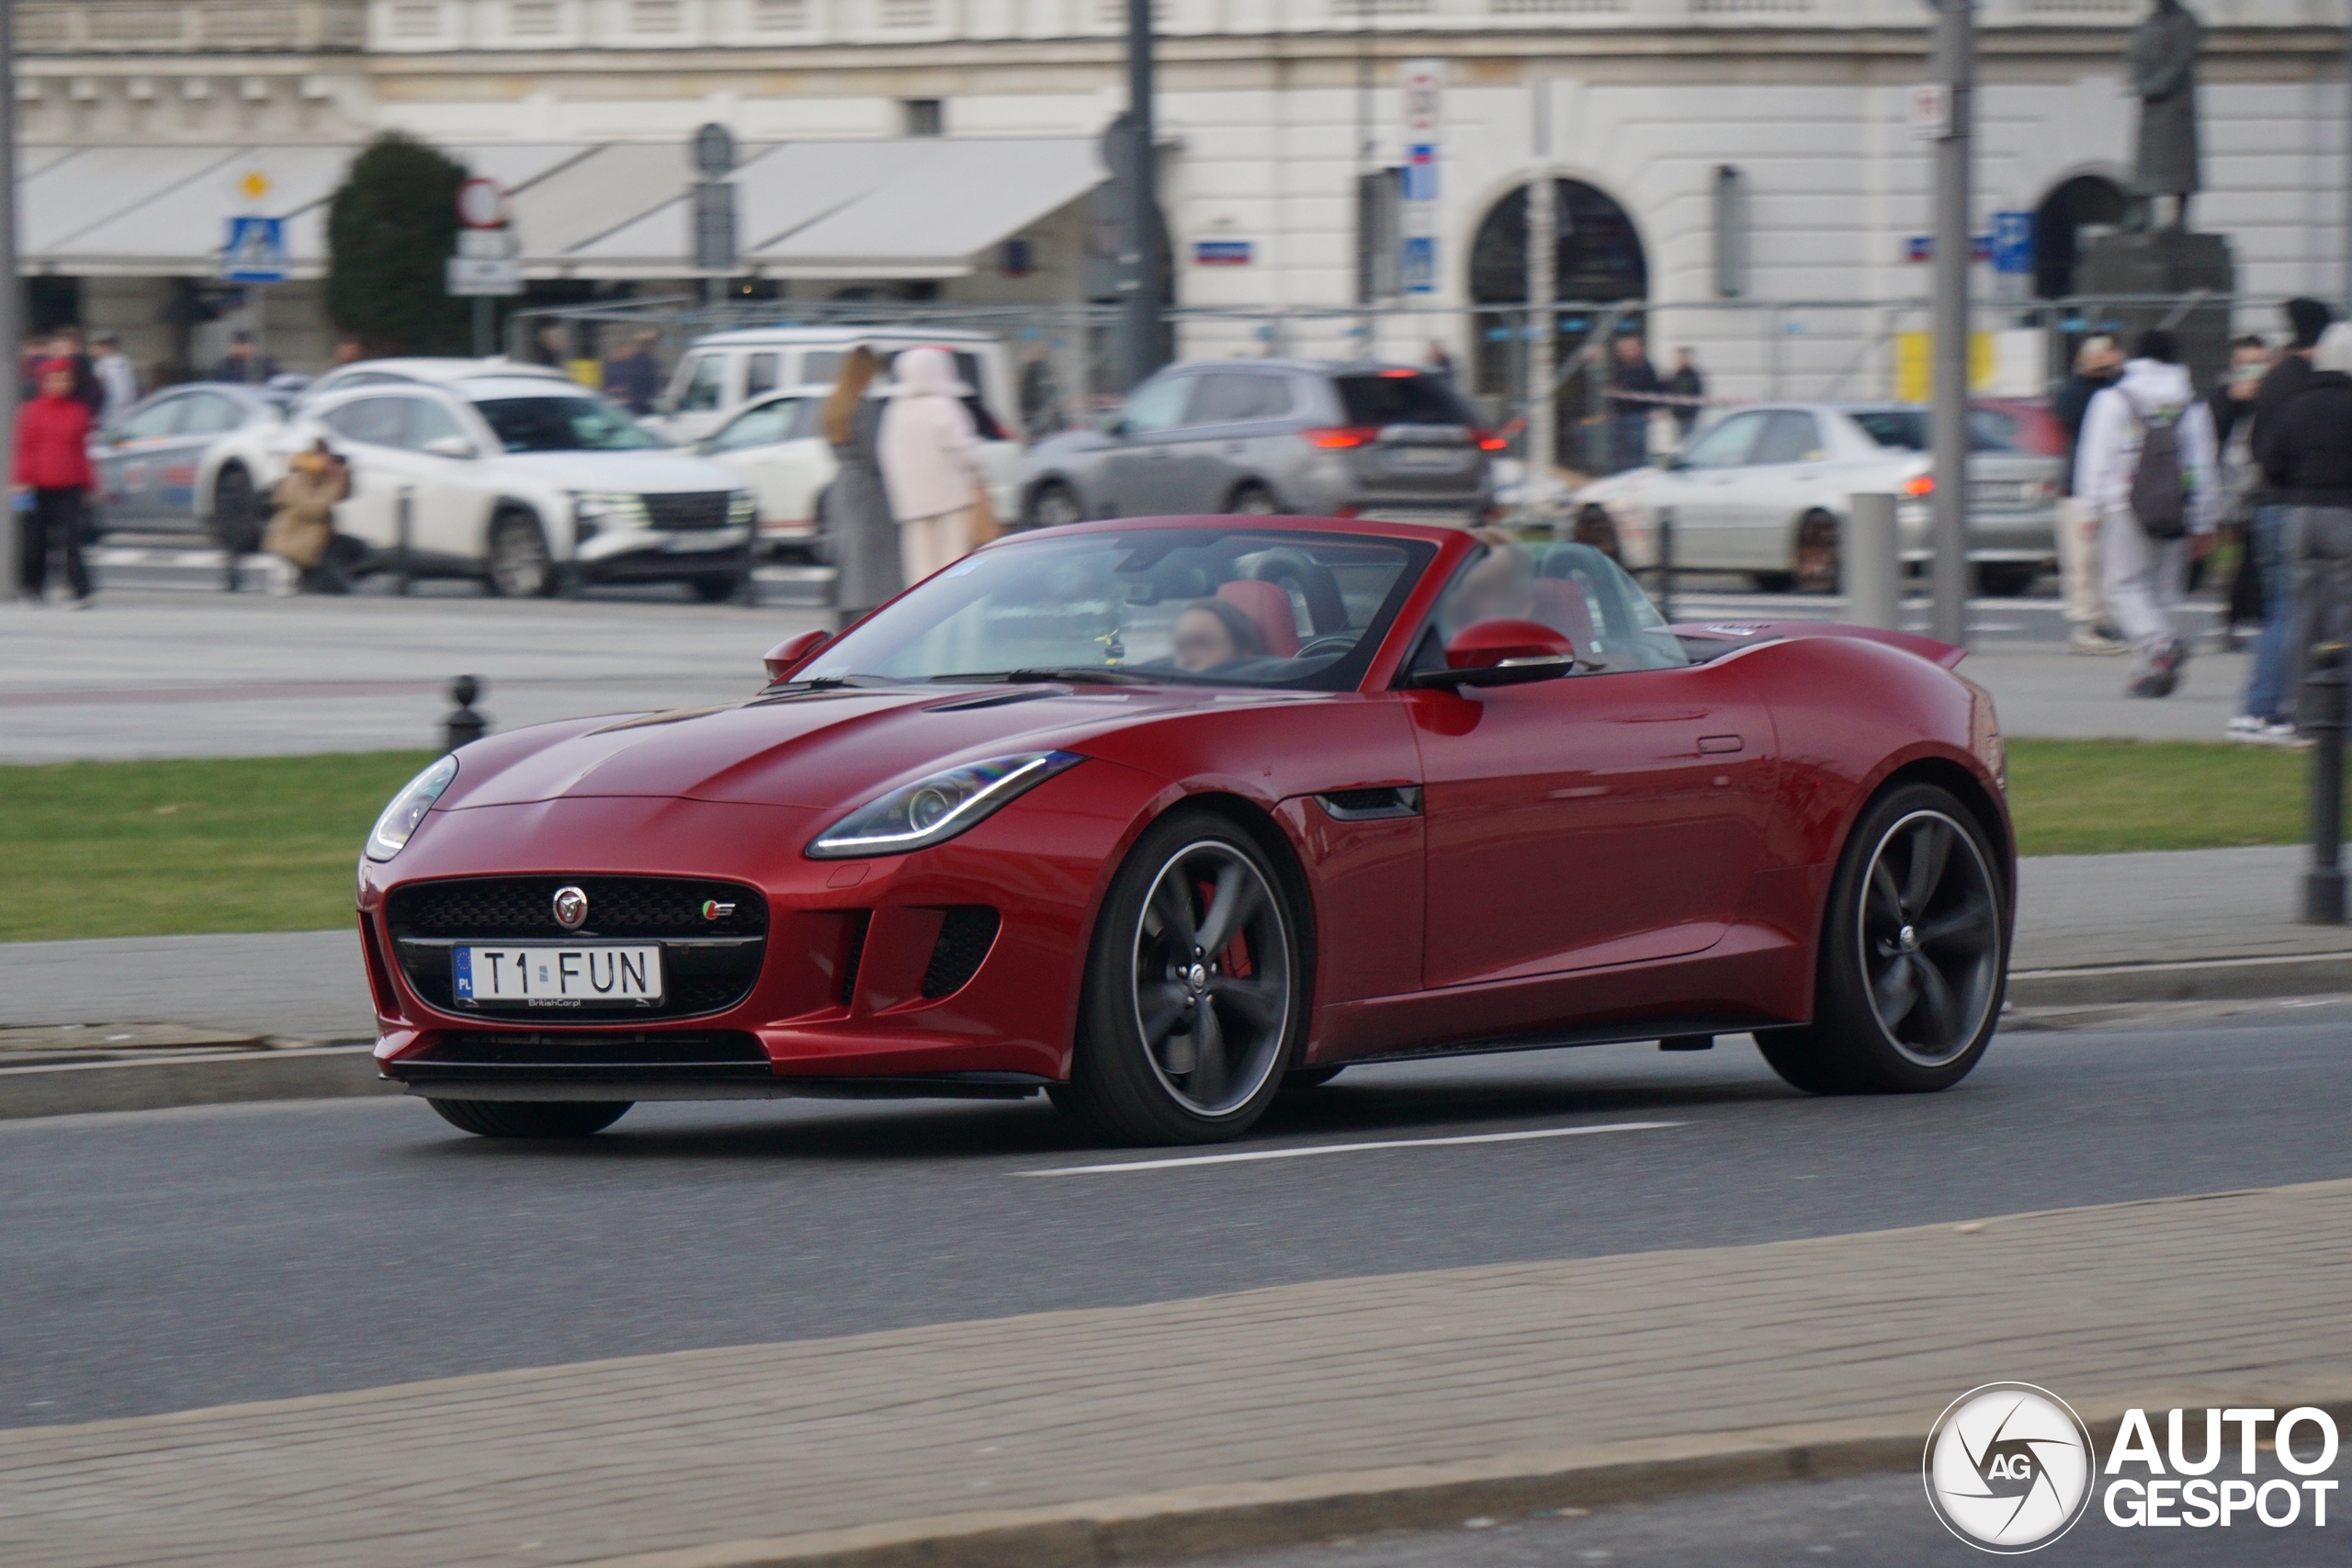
1953 67
1138 254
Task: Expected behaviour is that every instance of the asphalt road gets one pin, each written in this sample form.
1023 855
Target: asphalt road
161 1260
1881 1520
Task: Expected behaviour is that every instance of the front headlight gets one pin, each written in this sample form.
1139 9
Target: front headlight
408 808
930 811
618 509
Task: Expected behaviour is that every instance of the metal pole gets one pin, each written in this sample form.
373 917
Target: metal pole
1666 562
1955 50
2347 182
2324 883
13 295
481 326
1363 166
403 525
1873 563
1543 330
1140 258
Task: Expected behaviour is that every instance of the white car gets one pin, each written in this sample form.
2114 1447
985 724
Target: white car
1764 491
778 443
527 484
721 372
236 473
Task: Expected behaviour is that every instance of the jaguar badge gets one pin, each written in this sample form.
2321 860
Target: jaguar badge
571 908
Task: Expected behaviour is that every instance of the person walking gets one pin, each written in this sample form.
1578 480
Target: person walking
930 453
244 363
859 532
117 381
1633 397
2305 447
50 476
302 528
2146 464
2265 712
634 379
1689 389
2239 475
2096 365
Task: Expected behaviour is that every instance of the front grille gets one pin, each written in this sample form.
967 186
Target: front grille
705 509
965 937
484 1055
709 960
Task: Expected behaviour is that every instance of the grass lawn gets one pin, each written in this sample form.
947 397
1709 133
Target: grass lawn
140 849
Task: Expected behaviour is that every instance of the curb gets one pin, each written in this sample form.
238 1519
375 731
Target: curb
1171 1527
66 1089
2196 980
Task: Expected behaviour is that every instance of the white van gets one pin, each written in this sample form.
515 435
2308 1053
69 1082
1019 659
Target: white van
723 372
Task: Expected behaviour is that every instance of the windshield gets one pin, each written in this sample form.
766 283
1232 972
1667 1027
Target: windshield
564 424
1907 429
1392 397
1240 606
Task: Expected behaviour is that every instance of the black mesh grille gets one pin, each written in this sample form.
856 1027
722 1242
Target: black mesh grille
425 916
1361 799
963 940
707 509
487 1055
857 924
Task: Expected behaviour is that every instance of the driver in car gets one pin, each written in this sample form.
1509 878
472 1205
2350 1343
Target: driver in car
1212 633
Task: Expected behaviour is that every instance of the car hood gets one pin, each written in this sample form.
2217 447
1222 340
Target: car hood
827 750
650 471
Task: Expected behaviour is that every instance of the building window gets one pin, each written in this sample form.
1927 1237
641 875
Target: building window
656 15
908 13
1378 235
922 117
780 16
416 21
531 19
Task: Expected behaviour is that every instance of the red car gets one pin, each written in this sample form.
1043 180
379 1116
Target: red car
1162 815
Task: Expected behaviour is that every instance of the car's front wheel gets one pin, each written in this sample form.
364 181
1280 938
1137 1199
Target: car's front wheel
236 511
531 1118
1914 954
1195 995
1055 504
520 565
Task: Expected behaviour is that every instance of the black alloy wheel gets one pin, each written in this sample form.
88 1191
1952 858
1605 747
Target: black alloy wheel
520 565
1055 504
1818 566
531 1118
1914 954
1196 1000
236 514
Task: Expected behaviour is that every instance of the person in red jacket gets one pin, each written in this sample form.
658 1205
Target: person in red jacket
52 472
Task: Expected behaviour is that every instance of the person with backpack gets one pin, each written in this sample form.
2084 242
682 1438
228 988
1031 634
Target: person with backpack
2146 466
2305 449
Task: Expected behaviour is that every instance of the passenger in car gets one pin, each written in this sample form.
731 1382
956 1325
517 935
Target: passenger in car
1500 587
1213 632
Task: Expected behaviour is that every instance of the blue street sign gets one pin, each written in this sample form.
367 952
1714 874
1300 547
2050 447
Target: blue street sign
1221 253
1420 173
2013 241
256 251
1417 267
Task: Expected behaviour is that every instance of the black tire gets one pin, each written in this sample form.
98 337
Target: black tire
1818 559
1772 581
531 1118
1310 1077
713 590
520 566
1254 499
2005 580
236 511
1051 504
1935 924
1240 1002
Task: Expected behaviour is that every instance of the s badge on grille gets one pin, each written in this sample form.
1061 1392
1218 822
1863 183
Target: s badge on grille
712 909
570 908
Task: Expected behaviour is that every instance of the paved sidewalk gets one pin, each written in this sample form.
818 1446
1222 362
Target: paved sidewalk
2043 692
1527 1364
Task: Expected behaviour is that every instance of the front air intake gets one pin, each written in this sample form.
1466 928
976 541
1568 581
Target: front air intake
965 938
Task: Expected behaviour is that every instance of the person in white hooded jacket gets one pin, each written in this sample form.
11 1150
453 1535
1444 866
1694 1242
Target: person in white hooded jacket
929 451
2144 577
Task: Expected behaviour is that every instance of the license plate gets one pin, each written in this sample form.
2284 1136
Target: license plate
1427 458
556 977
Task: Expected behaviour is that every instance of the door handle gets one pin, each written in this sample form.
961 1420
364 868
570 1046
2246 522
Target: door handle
1715 745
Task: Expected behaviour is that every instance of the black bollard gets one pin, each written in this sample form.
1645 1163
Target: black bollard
2324 884
463 724
1666 563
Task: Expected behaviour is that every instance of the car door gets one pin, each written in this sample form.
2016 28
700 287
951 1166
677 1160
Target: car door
131 457
777 447
368 432
1612 816
1709 478
450 495
212 417
1789 475
1236 435
1139 473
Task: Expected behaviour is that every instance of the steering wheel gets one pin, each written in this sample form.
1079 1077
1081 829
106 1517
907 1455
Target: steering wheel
1334 642
1326 608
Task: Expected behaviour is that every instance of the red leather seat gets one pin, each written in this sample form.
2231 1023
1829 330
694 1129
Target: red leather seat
1268 606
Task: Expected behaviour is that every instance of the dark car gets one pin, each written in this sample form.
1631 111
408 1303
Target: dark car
1310 436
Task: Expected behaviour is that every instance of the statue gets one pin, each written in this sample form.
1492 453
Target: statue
2163 59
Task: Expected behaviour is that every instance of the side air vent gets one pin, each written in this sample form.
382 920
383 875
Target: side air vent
852 953
965 938
1372 804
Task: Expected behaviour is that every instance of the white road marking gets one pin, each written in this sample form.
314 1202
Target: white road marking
1354 1148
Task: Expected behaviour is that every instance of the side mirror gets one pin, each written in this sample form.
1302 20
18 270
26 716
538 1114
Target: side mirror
792 653
1503 653
450 446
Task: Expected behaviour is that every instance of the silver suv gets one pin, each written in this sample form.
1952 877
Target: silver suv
1313 437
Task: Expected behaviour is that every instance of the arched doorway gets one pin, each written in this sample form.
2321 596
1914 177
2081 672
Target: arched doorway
2085 201
1597 260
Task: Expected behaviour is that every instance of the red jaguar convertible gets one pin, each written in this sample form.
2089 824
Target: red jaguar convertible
1163 817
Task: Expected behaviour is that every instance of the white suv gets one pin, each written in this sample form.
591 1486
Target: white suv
528 483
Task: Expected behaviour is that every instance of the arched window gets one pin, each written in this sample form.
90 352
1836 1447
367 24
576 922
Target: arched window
2083 201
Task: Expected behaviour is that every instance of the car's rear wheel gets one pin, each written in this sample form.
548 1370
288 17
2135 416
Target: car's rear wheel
1818 568
236 511
531 1118
1254 501
1053 505
1914 954
1196 999
520 566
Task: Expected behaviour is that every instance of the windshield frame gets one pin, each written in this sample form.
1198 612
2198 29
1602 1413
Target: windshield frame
1346 673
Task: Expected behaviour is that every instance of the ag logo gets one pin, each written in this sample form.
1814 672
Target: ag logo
2009 1467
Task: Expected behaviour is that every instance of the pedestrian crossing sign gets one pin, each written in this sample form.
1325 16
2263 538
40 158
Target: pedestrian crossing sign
256 251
